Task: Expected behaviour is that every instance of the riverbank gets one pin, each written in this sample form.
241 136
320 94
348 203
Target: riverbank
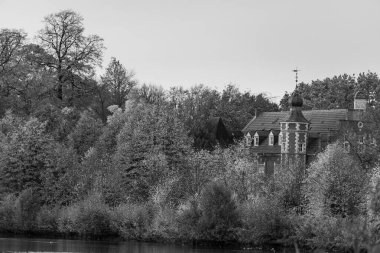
38 244
201 244
211 223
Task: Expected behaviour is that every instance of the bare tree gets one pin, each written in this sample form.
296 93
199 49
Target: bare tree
72 53
119 81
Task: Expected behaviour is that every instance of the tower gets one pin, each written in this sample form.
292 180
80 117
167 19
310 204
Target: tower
294 134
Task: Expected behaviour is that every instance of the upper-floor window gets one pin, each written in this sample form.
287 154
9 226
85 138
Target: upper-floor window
279 138
301 147
248 139
271 139
256 140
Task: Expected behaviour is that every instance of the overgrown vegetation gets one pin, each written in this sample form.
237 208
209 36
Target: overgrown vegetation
88 157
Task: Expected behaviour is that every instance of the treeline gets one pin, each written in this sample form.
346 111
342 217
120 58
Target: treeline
89 157
335 93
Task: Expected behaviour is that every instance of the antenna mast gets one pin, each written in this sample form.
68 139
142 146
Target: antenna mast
296 70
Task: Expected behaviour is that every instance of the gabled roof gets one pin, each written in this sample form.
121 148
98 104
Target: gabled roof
321 121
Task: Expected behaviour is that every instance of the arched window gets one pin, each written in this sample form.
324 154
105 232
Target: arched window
248 139
271 139
256 139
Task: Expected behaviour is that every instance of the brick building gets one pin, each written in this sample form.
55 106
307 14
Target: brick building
296 136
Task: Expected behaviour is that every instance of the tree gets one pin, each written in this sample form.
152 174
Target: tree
11 42
26 156
119 81
70 52
86 133
335 183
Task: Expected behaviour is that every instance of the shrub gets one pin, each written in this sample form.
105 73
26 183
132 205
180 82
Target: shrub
164 224
27 206
264 219
93 217
47 219
188 220
90 217
132 221
7 213
322 231
67 219
219 213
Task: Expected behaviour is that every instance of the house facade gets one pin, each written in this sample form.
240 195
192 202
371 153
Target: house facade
295 137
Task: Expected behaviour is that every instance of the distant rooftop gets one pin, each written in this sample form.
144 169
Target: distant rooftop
321 121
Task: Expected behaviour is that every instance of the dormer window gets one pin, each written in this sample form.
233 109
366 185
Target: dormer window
248 139
279 139
271 139
256 140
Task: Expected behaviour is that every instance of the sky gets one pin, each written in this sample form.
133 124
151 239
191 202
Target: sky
254 44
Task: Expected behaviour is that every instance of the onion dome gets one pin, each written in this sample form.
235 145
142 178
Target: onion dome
296 100
295 114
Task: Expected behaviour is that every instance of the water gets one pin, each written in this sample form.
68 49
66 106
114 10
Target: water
64 246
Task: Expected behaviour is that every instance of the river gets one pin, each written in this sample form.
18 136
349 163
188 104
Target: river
84 246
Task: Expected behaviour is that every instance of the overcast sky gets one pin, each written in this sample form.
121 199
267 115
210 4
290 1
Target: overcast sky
253 44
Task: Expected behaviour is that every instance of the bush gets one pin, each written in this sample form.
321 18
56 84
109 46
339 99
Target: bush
219 213
90 217
67 219
27 206
264 219
132 221
164 224
7 214
322 231
47 219
188 219
93 217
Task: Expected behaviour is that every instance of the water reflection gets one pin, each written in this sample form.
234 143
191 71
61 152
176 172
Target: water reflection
80 246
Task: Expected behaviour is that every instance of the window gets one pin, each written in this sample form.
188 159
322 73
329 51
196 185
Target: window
248 139
279 138
271 139
256 140
283 147
301 147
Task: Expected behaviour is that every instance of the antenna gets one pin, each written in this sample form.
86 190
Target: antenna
296 70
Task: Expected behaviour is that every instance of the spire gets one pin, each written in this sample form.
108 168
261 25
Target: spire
296 70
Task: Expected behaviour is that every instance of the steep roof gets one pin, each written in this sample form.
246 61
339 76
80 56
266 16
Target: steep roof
321 121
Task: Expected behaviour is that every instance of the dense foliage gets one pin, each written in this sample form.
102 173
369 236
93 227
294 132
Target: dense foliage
114 157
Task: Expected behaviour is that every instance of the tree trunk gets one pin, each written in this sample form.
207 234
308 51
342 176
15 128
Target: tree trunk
60 85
